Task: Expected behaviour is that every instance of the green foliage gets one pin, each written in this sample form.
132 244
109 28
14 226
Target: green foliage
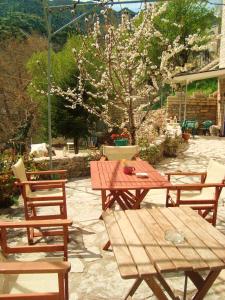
71 123
206 86
171 146
8 191
193 16
148 152
184 18
15 15
20 25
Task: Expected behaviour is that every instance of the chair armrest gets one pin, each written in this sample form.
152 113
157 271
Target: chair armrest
103 158
195 186
36 223
34 267
47 172
201 174
137 158
186 173
43 182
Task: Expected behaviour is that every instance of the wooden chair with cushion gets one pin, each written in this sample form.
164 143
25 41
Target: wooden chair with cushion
39 194
202 196
120 152
45 279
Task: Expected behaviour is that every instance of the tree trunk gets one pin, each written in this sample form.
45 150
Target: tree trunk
76 145
133 136
132 127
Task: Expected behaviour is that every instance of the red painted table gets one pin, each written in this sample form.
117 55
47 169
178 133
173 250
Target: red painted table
127 190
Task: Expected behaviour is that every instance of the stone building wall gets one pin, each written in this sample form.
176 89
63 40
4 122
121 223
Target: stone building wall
221 81
199 107
221 101
222 39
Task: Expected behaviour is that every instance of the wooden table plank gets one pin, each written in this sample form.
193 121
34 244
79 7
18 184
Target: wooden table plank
168 248
186 248
156 254
123 257
208 239
140 257
213 231
213 238
211 251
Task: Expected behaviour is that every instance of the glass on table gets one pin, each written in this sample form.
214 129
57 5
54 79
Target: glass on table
175 236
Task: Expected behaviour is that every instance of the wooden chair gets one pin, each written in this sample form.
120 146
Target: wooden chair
39 194
41 272
202 196
120 152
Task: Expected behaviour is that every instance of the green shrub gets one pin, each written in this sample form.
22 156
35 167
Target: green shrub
8 191
148 152
171 146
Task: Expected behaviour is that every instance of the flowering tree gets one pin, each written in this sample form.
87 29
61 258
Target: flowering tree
117 70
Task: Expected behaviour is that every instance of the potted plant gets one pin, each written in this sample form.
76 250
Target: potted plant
120 139
186 136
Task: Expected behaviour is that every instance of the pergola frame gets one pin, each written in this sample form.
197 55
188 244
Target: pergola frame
48 11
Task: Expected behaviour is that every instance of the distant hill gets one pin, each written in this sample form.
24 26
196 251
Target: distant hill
21 17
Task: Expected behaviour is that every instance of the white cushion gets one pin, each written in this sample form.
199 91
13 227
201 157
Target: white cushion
120 152
19 172
30 283
215 174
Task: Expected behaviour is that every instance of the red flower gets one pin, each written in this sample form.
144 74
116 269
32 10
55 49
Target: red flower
125 135
115 136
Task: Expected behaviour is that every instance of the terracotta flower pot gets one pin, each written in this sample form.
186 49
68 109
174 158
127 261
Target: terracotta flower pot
186 136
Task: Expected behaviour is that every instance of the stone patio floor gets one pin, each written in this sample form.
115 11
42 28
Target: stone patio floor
94 274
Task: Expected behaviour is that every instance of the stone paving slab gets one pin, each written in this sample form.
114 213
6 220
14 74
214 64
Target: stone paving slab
94 274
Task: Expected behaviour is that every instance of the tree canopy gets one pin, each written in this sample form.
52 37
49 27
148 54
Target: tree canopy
120 68
65 121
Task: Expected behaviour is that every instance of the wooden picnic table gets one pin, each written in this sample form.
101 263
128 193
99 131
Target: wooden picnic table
127 190
138 239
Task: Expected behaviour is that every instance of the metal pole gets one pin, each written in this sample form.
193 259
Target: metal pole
185 101
71 22
48 21
180 106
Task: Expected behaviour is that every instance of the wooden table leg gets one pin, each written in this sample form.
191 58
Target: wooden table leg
103 192
166 287
140 194
155 287
133 288
107 245
203 285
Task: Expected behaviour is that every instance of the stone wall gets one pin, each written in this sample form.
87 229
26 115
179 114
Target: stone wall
199 107
76 165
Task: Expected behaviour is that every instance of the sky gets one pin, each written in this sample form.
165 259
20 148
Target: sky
137 6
